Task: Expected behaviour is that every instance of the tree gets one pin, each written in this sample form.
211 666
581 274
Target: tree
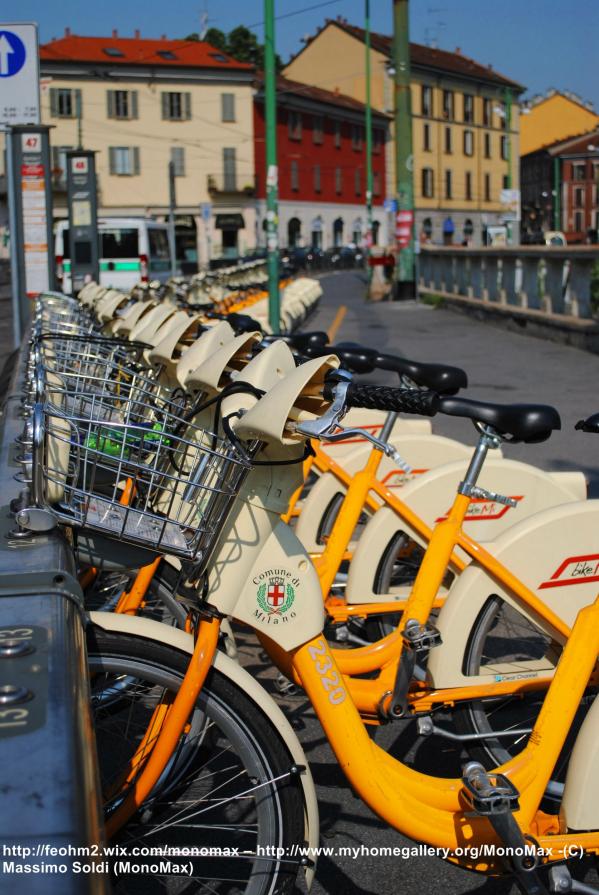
240 43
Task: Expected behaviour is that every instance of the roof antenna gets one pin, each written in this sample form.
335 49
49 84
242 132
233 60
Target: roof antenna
204 22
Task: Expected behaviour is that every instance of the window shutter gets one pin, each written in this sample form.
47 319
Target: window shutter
53 102
136 167
78 111
227 106
133 110
111 160
187 106
110 104
165 109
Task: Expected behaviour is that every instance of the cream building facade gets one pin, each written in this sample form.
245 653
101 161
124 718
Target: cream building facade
143 103
465 153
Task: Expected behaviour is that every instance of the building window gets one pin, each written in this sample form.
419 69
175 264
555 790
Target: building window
294 169
579 197
176 106
426 103
59 164
468 108
64 102
448 185
448 140
294 232
428 183
468 228
505 182
227 107
358 181
121 103
356 137
338 181
123 160
318 129
487 145
448 105
378 139
178 160
578 221
468 185
337 135
468 143
427 227
338 232
503 115
376 183
505 147
230 169
295 125
426 137
487 187
317 185
579 172
487 113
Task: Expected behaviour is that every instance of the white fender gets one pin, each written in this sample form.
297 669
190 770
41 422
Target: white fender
580 802
555 554
431 495
421 451
153 630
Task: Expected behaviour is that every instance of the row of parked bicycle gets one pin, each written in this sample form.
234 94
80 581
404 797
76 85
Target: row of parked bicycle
210 477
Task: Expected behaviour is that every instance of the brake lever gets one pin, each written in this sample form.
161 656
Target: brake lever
328 428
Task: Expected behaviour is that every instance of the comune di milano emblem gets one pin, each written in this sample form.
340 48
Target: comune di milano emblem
275 596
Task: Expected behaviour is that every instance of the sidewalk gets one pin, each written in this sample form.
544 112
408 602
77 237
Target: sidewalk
502 366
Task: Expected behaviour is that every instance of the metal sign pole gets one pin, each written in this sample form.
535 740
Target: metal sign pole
15 247
172 205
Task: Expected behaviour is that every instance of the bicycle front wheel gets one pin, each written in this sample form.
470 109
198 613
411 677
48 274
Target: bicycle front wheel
226 802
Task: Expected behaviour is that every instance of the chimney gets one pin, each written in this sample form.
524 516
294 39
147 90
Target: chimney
67 32
137 34
163 37
458 50
115 33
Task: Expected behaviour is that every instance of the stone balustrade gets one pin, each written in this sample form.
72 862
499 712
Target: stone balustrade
554 281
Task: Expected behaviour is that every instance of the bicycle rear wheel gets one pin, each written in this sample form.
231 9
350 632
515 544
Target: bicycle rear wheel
227 790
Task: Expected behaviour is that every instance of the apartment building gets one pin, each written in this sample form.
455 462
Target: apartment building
141 103
321 144
465 125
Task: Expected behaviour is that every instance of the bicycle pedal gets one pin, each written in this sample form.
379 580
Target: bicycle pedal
284 686
420 638
488 794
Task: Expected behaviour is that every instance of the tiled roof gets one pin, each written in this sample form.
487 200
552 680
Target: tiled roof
138 51
577 143
430 57
319 94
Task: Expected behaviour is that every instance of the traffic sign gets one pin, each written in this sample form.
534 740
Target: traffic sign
19 75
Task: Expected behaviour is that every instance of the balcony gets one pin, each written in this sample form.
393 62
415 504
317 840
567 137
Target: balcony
231 184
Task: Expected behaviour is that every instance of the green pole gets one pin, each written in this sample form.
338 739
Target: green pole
405 285
272 171
557 199
369 179
508 127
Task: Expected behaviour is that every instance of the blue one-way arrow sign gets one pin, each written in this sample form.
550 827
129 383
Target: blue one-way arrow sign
19 74
12 54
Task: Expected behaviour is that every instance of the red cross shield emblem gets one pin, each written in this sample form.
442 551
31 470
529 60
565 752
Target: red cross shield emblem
275 593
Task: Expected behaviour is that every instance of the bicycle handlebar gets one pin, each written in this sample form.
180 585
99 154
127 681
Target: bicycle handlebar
398 400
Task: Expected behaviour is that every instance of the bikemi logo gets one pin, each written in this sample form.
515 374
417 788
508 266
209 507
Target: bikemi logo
574 570
275 596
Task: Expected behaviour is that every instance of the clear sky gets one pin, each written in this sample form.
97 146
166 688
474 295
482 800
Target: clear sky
540 43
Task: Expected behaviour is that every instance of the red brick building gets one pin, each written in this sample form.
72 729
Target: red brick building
562 181
321 143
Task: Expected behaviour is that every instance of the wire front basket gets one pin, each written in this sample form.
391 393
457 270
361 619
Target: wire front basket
165 484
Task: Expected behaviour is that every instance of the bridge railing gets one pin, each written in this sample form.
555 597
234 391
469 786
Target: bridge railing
555 281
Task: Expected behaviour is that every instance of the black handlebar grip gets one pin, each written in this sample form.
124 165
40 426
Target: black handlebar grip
398 400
